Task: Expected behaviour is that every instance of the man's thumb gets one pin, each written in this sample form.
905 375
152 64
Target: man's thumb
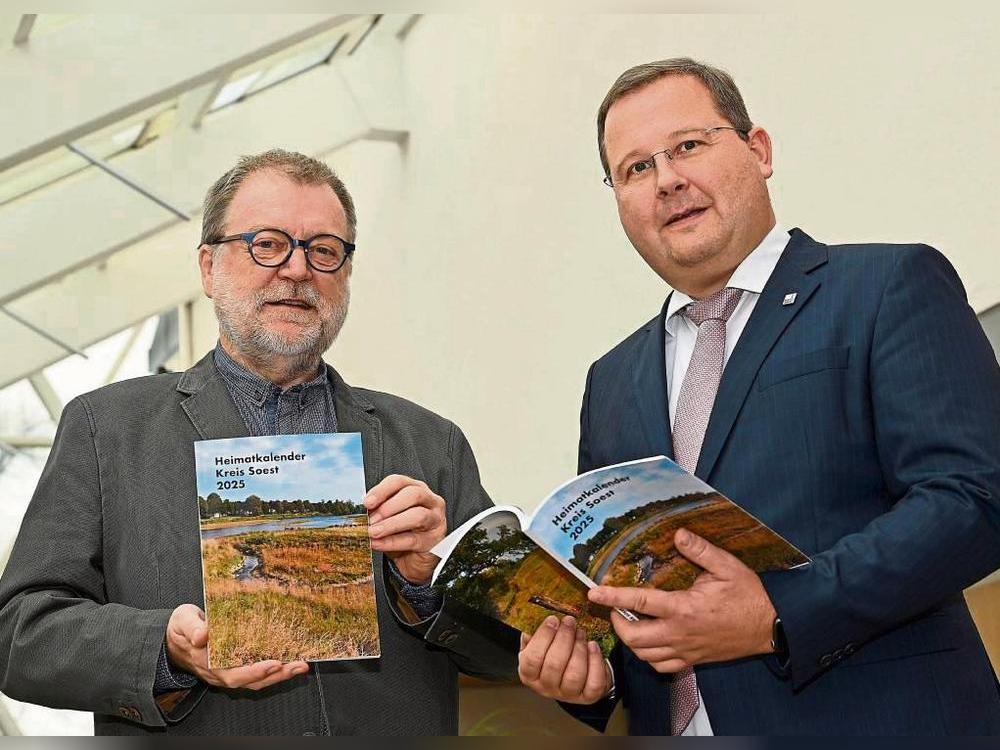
199 636
703 554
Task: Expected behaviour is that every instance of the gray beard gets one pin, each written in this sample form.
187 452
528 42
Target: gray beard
239 321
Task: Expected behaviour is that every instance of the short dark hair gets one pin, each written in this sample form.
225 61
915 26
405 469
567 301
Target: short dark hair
726 97
302 169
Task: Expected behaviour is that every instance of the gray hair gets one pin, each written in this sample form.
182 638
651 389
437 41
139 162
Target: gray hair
300 168
725 96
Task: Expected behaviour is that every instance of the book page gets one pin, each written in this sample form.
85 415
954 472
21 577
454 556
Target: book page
498 570
444 548
286 558
616 525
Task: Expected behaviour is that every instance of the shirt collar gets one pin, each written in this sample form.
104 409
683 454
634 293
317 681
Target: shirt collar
752 274
251 385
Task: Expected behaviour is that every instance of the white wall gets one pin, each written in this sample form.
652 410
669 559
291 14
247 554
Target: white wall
491 268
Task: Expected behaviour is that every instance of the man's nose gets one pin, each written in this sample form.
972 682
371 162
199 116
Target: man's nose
295 268
668 179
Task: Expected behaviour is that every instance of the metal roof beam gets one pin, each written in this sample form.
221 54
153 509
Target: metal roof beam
47 395
15 29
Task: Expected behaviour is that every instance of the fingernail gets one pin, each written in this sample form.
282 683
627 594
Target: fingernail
376 529
367 501
596 595
592 647
682 536
273 668
568 621
552 621
374 518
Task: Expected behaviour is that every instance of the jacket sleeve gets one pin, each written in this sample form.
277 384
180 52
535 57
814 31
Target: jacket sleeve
584 461
62 643
935 397
479 646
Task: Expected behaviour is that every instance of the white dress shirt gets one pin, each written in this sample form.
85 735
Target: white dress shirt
681 333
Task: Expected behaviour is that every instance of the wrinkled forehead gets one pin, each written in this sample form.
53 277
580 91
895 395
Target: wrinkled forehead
269 198
643 118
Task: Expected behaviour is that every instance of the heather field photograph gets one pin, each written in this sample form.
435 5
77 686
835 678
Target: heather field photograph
286 557
637 548
616 525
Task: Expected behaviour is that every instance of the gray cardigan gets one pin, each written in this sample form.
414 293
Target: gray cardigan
109 547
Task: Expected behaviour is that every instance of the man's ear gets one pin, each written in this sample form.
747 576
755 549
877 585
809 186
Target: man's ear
760 145
205 263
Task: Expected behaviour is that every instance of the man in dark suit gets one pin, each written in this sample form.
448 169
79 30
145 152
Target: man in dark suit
845 395
101 601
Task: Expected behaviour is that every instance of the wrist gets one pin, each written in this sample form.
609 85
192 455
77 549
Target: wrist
413 575
609 674
764 631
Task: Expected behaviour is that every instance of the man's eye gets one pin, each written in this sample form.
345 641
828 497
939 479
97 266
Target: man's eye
638 167
687 147
265 244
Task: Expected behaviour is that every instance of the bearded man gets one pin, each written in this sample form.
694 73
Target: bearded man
101 602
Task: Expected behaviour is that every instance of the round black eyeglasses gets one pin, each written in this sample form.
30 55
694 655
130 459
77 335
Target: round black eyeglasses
274 247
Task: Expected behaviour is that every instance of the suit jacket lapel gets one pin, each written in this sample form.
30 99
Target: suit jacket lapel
355 413
649 381
767 322
209 405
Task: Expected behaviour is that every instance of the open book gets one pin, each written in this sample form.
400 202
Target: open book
614 526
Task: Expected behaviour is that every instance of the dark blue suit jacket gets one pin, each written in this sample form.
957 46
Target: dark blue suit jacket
862 423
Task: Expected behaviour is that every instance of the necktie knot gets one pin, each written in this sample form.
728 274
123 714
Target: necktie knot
718 306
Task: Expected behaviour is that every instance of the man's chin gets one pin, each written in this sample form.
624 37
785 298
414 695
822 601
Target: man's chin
283 342
690 255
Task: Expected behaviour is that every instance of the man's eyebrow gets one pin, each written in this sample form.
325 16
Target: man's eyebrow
685 131
258 227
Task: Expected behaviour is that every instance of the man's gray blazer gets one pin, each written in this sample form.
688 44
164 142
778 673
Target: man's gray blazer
109 547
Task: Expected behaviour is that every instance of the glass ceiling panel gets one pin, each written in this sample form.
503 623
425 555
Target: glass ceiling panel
292 61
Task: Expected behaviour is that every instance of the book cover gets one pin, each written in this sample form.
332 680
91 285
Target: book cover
286 558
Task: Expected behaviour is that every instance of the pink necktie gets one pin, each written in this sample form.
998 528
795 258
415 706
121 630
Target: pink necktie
694 406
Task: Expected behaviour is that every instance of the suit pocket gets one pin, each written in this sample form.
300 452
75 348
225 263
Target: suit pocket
773 373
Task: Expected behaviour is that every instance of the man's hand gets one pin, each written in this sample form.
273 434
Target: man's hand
726 614
405 521
558 662
187 642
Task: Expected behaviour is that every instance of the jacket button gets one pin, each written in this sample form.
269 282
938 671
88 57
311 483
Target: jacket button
129 712
826 660
849 649
446 636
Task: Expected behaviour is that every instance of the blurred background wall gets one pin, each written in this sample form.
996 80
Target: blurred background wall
491 268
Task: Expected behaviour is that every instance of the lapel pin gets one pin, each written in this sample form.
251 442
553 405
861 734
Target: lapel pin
789 299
